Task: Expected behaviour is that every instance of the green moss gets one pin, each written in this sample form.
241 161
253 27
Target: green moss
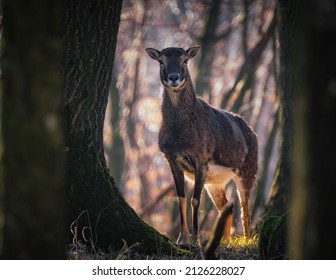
272 238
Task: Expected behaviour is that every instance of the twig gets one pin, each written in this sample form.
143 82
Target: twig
74 231
125 249
217 232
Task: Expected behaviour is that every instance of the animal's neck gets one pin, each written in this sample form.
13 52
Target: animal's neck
182 99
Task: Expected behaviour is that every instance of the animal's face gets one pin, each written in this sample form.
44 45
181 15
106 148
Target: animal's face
173 65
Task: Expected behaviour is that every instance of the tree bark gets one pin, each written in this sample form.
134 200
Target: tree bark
90 41
32 131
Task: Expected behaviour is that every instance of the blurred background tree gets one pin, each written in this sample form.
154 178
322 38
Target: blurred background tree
31 125
313 189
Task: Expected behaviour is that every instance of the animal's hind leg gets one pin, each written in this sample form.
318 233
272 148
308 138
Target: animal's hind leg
217 194
244 197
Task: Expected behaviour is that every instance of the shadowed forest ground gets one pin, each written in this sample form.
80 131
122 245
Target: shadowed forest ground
240 248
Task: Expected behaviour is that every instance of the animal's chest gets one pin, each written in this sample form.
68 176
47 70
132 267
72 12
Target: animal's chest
174 138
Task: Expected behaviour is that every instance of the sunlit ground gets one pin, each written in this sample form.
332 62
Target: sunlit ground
239 248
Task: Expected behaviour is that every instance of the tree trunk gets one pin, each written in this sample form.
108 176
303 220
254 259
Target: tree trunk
32 131
90 42
272 224
259 201
117 150
207 42
278 202
312 234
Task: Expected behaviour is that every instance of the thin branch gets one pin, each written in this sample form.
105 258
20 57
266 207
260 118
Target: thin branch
247 69
225 34
245 27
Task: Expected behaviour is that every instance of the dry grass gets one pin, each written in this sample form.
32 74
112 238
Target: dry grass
239 248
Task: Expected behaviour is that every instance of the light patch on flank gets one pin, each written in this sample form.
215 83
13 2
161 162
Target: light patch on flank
216 175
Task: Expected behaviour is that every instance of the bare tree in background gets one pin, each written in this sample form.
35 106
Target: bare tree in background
278 201
116 149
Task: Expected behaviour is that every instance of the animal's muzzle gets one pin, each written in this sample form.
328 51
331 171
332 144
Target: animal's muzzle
174 79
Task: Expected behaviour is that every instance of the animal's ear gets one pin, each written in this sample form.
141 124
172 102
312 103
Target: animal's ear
191 52
153 53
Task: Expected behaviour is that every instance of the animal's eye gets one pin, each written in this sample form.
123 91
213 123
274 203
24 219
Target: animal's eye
185 62
160 61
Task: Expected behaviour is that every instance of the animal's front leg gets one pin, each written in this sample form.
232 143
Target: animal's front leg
184 235
200 175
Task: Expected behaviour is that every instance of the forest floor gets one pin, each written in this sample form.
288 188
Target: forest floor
239 248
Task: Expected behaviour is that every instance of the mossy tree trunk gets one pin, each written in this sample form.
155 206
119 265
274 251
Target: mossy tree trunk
259 201
278 201
312 234
90 41
34 204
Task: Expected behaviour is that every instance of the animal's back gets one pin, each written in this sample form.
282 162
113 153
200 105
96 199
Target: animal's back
228 131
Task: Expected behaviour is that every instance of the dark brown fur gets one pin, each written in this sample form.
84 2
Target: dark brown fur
194 135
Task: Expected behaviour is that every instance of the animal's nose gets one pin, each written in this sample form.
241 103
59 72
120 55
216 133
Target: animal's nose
173 77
